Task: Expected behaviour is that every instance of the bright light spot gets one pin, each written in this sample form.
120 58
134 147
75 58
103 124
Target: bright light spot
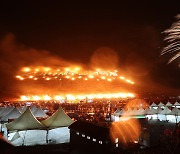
36 98
26 69
99 96
67 77
70 97
130 95
24 98
128 81
90 96
35 78
30 76
77 69
91 76
109 80
67 69
48 79
85 78
57 97
81 97
122 77
21 78
46 97
103 77
46 69
98 70
72 78
107 96
37 70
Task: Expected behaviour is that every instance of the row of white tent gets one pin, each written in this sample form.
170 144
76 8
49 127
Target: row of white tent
11 112
148 111
176 104
163 114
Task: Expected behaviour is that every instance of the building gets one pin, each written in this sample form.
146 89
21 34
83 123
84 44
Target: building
91 138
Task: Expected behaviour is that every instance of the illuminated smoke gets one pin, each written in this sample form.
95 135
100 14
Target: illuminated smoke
104 58
27 71
173 40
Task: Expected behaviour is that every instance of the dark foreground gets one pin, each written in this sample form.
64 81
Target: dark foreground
67 149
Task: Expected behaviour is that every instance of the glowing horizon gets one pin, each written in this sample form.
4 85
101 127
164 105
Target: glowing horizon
71 97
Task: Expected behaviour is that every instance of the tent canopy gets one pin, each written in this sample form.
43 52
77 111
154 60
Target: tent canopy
117 111
150 111
11 115
175 111
160 104
39 113
168 104
24 122
176 104
22 109
153 104
58 119
165 111
6 111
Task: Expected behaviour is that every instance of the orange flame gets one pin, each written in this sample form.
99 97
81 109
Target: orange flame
48 73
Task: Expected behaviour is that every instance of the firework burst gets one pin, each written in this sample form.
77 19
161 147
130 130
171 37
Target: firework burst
173 40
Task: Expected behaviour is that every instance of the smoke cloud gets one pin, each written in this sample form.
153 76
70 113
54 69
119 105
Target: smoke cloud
14 56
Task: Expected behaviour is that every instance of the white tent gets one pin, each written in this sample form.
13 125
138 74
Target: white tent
162 114
168 104
151 113
121 112
39 113
33 108
22 109
6 111
128 112
176 104
160 104
175 111
24 122
141 111
14 114
115 115
159 110
174 116
1 109
165 111
28 137
153 105
58 119
117 112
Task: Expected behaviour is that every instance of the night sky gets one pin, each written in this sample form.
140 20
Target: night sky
74 30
